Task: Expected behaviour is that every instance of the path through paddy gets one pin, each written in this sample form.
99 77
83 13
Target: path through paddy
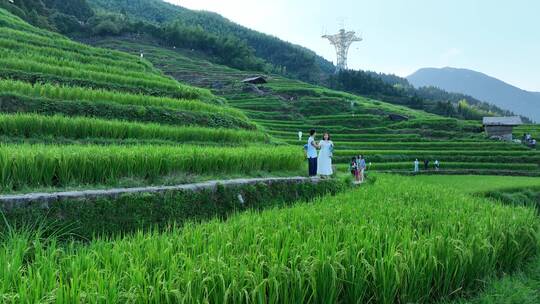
114 192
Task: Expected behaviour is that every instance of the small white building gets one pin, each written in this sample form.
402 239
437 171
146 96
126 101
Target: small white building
501 127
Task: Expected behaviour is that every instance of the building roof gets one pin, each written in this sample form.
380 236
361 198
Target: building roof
255 80
502 121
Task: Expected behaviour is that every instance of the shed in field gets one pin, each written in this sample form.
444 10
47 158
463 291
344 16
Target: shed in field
501 127
255 80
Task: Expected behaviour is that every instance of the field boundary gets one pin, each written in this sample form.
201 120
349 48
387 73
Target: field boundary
21 200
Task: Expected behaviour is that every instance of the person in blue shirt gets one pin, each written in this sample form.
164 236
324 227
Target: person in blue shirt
311 152
362 168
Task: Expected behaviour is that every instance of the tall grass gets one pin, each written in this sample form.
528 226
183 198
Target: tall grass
41 38
87 63
52 51
454 165
33 125
395 242
21 64
84 94
42 165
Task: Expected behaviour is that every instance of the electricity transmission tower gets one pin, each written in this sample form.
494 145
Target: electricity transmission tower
342 42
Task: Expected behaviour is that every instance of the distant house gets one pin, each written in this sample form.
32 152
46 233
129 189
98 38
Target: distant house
501 127
255 80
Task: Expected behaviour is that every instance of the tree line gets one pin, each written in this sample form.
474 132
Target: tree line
398 90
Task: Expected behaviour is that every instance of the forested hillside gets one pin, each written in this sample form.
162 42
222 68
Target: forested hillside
57 15
398 90
289 59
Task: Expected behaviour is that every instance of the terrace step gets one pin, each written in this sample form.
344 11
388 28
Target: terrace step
22 200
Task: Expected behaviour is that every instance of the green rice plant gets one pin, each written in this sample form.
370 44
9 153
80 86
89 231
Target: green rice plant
14 27
451 166
20 64
84 94
444 153
55 165
32 125
479 184
86 63
430 145
14 103
397 241
52 51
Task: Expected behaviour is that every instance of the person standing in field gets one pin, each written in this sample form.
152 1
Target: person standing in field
312 153
426 164
324 161
300 135
416 164
437 165
362 168
353 167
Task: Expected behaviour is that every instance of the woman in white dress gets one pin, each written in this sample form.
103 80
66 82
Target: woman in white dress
324 161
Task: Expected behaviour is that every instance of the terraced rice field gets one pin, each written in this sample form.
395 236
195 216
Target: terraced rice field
534 130
357 125
72 114
362 126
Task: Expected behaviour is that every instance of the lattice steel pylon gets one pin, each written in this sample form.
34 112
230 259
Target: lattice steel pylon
342 41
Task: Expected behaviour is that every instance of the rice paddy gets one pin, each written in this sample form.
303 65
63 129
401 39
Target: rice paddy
397 241
68 96
57 165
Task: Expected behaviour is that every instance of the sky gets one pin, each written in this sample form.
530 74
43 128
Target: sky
500 38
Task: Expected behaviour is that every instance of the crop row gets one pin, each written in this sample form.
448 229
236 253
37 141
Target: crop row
31 35
351 137
450 165
84 94
82 64
450 156
133 65
429 145
20 64
11 103
394 242
445 152
33 125
43 165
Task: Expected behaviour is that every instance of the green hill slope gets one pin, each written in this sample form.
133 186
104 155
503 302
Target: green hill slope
80 115
357 125
293 60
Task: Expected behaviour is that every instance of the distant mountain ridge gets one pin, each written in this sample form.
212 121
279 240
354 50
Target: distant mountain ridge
481 86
